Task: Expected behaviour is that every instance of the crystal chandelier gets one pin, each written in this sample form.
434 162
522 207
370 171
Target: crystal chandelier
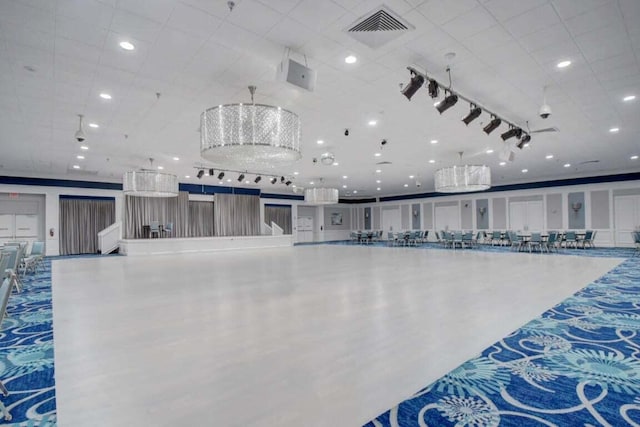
150 183
321 196
463 178
249 136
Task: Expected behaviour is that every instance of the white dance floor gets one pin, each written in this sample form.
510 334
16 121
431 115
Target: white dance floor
298 336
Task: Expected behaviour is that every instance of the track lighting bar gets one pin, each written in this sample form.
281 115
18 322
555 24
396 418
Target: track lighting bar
202 170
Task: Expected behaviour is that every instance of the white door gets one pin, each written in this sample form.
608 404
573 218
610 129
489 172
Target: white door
627 218
18 227
6 228
391 221
305 229
447 218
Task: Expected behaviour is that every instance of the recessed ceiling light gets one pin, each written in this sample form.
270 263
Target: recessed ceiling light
79 157
378 188
127 45
295 173
105 96
634 157
160 167
320 142
563 64
344 177
176 158
548 156
378 181
432 161
228 179
406 185
525 170
434 141
344 186
76 166
311 183
567 165
435 104
350 59
84 147
378 171
614 130
489 151
94 125
527 145
294 186
247 182
411 177
629 98
336 164
502 163
187 176
372 122
220 182
378 154
355 191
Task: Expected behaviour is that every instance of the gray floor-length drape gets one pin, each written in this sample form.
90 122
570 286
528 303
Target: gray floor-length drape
80 222
141 211
280 214
236 215
200 219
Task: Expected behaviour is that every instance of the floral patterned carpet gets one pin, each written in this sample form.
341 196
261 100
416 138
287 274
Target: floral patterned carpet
26 353
576 365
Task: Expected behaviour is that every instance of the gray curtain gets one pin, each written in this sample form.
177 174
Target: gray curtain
200 219
80 222
236 215
140 211
281 215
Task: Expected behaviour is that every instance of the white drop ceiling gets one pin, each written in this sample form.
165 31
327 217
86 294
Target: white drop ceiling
197 54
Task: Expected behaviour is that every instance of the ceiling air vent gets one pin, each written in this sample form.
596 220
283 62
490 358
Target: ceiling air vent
378 27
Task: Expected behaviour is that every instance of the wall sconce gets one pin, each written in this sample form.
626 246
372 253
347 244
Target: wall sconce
576 207
482 211
415 213
366 214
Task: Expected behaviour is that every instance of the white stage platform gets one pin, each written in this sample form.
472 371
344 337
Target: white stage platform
132 247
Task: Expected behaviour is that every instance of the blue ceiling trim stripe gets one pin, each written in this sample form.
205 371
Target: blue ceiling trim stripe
72 197
529 186
276 206
357 201
47 182
281 196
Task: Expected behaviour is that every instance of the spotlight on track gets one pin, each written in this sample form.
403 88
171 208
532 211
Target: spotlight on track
221 175
241 177
282 179
288 183
211 172
434 89
474 113
511 133
257 180
447 103
200 173
523 141
493 125
274 180
416 83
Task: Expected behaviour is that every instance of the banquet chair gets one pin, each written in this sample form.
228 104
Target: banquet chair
535 242
515 241
11 271
570 239
588 239
551 242
467 239
34 259
168 229
496 237
5 292
154 228
636 240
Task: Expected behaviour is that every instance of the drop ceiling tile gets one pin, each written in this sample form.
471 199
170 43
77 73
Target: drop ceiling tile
254 17
70 69
595 51
570 8
193 21
613 63
155 10
442 11
503 10
557 52
470 23
22 35
594 19
320 48
546 37
282 6
131 25
364 8
317 15
69 47
115 57
531 21
80 31
290 33
490 38
219 9
91 11
33 18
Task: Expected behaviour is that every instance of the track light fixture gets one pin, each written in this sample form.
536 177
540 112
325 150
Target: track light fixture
416 83
512 132
257 180
221 175
493 125
523 141
200 173
447 103
274 180
282 179
288 183
474 113
241 177
434 89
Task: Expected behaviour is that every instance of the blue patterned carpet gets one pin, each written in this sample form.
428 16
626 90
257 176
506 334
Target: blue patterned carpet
26 353
576 365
